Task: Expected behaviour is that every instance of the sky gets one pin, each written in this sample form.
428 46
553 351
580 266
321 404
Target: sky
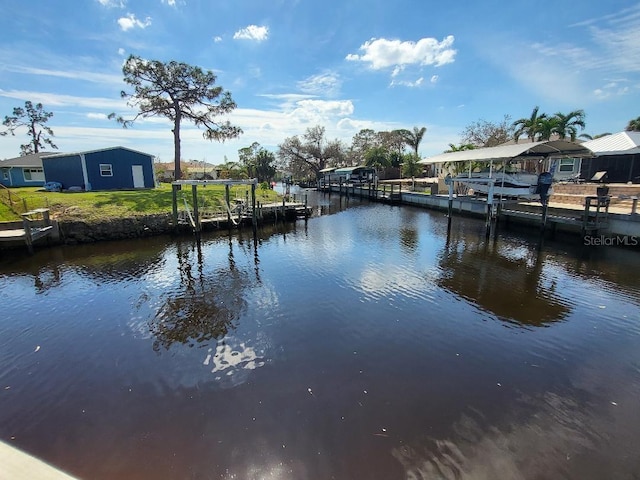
345 65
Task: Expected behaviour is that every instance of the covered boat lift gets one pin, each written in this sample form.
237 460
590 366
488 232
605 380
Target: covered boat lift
541 156
542 151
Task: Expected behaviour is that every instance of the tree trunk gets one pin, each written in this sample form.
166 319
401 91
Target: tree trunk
36 138
176 145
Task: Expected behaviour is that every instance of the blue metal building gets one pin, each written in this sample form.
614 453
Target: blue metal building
116 168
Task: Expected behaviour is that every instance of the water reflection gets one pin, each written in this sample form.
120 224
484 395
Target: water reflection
115 262
502 278
325 349
202 306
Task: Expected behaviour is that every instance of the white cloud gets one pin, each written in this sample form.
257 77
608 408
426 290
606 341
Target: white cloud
171 3
57 100
611 89
130 21
347 124
97 116
382 53
575 73
434 79
217 39
407 83
327 107
121 52
252 32
322 84
71 74
112 3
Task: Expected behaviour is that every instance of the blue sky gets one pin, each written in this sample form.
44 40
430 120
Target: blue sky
345 65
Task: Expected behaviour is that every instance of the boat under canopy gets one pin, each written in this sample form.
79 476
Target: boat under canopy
507 182
524 151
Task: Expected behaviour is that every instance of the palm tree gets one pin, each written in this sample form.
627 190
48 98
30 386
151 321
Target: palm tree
530 126
546 127
377 157
414 138
634 125
460 148
566 124
410 166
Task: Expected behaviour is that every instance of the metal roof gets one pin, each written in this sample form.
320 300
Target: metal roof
615 144
32 160
327 170
349 169
85 152
508 152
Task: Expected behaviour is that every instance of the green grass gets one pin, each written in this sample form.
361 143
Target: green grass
93 206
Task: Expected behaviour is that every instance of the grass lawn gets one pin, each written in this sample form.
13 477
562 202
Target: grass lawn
116 203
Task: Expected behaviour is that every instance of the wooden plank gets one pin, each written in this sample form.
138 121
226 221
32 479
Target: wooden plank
13 234
538 216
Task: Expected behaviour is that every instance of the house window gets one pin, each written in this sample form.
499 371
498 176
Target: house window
566 165
5 175
33 174
105 170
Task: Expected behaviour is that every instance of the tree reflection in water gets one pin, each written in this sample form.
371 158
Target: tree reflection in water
510 283
204 306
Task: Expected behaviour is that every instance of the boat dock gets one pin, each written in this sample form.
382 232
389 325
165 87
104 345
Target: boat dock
607 216
231 213
36 224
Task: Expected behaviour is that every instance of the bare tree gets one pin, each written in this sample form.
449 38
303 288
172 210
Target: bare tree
312 153
484 133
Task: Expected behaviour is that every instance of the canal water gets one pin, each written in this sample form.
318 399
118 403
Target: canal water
364 343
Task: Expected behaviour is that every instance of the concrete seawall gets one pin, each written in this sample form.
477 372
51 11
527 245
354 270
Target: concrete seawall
621 221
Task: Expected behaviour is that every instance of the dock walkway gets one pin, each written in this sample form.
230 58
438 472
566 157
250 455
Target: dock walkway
36 224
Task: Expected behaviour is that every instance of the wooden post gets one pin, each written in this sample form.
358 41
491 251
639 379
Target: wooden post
196 213
283 209
585 215
174 199
46 219
26 224
449 182
543 223
306 208
227 199
254 218
489 218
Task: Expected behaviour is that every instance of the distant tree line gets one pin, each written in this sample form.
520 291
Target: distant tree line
305 156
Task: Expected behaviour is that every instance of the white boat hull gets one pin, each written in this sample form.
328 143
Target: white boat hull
513 185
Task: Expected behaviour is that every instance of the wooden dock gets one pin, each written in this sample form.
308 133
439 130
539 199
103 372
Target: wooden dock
595 216
231 213
242 215
36 224
592 218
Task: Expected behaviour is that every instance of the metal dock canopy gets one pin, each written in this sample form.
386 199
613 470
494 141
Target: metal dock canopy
550 148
